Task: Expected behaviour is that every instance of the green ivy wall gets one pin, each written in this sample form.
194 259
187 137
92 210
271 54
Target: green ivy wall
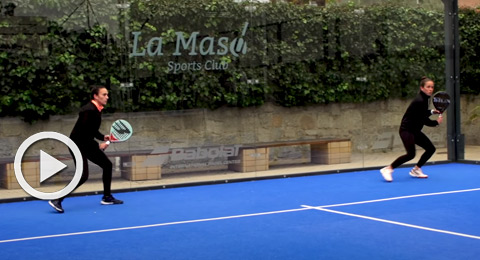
297 55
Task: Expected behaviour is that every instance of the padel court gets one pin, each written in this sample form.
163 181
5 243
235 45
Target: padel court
354 215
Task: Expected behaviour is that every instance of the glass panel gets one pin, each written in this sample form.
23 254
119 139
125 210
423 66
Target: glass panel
224 90
407 56
469 90
469 126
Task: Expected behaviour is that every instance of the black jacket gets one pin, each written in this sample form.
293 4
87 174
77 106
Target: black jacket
417 115
87 127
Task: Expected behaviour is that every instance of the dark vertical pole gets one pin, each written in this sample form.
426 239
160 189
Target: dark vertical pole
455 140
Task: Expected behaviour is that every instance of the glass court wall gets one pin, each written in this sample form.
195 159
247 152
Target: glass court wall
218 91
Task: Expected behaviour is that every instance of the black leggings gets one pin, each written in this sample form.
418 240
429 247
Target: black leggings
409 140
99 158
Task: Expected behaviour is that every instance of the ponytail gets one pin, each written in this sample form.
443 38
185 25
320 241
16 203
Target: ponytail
424 80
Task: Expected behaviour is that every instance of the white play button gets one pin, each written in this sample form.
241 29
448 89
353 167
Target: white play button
49 166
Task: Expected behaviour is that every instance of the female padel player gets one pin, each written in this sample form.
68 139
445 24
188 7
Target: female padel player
416 116
84 133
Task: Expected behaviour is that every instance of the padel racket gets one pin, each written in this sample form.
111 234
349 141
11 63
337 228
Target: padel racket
441 101
120 131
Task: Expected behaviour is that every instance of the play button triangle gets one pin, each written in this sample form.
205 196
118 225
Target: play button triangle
49 166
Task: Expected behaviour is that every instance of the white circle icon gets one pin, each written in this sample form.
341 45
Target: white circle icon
46 159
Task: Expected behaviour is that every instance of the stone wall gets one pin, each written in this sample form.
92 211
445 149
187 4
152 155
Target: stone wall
364 124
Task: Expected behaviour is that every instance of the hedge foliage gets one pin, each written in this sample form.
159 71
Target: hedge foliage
297 55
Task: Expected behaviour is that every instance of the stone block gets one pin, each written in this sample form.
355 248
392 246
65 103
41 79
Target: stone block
30 171
251 160
331 153
134 169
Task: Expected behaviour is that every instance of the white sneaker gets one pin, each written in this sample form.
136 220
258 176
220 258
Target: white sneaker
417 173
387 174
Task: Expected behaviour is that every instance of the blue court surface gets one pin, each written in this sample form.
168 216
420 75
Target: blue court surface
354 215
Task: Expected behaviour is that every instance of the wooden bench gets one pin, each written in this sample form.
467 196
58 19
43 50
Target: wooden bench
135 167
255 157
30 170
131 164
251 157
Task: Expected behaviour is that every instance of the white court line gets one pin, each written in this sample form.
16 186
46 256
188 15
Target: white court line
398 198
230 217
394 222
152 225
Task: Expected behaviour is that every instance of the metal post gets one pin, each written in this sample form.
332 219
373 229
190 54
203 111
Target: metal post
455 139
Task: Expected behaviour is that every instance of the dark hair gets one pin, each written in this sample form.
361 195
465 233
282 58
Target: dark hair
424 80
95 89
